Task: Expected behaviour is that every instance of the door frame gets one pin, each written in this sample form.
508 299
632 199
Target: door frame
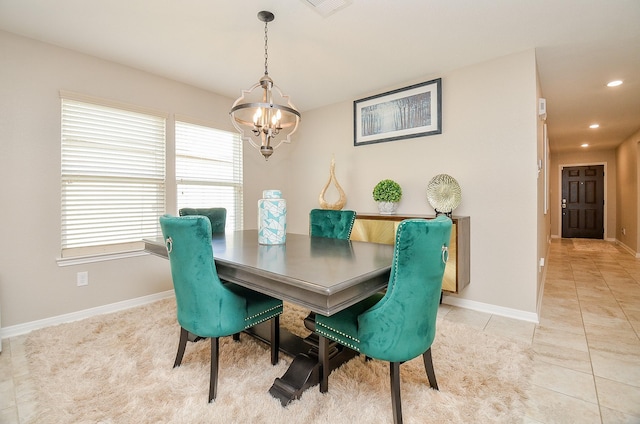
606 200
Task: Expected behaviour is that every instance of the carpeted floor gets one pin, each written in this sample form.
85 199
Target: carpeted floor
117 368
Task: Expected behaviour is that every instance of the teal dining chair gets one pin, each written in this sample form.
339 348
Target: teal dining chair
206 307
217 217
331 223
400 324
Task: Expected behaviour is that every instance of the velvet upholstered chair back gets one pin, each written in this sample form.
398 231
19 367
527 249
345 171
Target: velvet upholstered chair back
217 217
402 324
331 223
205 307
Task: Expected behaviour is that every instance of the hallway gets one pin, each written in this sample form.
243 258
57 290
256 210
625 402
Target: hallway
587 345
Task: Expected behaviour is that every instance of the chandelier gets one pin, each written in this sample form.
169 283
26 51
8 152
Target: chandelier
263 114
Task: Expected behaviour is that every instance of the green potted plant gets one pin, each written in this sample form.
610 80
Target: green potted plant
387 193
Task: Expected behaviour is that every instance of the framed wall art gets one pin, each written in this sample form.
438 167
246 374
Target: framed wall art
414 111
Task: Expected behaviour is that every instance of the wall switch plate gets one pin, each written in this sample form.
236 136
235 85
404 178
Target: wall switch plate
82 278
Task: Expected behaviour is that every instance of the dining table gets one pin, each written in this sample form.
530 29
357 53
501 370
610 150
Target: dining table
323 275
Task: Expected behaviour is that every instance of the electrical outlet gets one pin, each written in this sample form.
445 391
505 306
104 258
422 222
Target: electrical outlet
82 278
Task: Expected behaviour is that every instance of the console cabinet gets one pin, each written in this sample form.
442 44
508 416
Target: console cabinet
378 228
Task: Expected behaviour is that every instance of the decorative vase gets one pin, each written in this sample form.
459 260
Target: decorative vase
332 179
272 218
387 208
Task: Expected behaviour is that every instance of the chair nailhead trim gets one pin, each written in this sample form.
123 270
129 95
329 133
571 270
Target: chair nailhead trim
264 312
258 322
330 336
266 318
353 220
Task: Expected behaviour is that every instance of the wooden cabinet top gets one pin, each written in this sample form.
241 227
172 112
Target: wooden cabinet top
398 217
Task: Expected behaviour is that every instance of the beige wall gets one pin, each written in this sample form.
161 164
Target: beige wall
628 156
584 157
544 212
32 285
488 145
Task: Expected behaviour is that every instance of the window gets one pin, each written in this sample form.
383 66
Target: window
113 178
209 170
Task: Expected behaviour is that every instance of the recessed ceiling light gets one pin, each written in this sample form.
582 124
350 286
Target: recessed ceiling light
614 83
594 126
584 145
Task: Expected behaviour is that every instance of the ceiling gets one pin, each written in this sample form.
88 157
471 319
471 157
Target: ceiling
366 46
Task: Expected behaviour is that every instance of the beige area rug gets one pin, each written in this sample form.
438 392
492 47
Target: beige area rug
117 368
591 245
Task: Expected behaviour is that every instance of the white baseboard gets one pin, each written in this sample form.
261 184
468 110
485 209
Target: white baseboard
628 249
543 279
19 329
491 309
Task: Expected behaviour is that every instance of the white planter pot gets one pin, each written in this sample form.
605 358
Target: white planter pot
387 208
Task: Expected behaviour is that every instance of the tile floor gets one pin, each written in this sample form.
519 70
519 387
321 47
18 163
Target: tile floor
587 349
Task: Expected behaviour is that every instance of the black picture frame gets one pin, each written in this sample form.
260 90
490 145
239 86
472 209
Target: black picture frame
413 111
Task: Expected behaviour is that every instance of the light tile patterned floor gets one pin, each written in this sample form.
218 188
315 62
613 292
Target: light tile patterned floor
587 345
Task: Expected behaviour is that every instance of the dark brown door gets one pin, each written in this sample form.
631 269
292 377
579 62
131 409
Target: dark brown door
583 202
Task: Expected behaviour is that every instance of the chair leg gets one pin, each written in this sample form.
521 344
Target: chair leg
428 366
323 351
275 339
213 378
236 337
182 344
396 402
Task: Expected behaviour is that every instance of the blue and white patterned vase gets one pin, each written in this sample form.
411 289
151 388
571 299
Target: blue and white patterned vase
272 218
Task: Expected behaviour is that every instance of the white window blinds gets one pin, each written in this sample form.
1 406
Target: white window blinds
113 178
209 170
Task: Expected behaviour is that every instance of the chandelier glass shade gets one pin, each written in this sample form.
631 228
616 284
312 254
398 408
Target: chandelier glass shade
264 116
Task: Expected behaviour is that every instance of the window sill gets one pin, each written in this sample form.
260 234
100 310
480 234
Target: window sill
79 260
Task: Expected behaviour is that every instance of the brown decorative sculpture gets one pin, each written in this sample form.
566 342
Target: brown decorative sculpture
343 197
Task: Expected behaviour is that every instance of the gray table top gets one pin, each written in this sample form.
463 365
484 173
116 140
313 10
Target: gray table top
322 274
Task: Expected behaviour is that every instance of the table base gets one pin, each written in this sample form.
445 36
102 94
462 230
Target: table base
304 371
